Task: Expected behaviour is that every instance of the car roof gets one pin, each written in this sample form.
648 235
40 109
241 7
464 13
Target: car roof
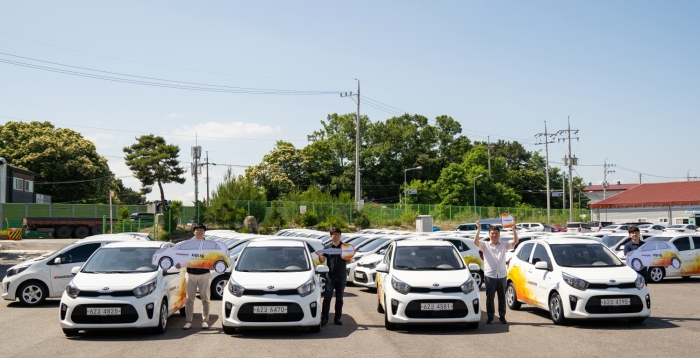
422 242
153 244
567 240
114 237
276 242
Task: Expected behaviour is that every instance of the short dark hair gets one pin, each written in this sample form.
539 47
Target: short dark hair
494 228
633 229
335 230
199 226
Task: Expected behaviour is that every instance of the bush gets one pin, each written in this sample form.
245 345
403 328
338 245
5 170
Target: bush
124 213
331 222
276 219
408 217
243 230
264 230
362 221
309 219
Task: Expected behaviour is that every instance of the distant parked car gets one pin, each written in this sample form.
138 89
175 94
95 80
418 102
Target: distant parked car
557 228
578 227
143 217
435 228
612 229
534 227
689 228
651 229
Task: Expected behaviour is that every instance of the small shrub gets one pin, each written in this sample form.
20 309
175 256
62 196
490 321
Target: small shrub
308 219
264 230
362 221
124 213
408 217
243 230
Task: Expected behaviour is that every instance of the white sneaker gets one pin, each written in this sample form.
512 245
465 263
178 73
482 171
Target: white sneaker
205 325
188 325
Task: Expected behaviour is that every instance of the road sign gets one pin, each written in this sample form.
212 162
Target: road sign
412 191
556 194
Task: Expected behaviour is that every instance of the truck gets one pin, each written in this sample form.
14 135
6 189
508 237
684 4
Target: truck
63 228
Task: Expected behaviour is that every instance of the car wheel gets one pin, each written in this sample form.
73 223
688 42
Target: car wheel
380 309
218 286
183 312
388 325
165 263
219 266
32 293
478 278
636 264
512 297
163 318
70 332
96 230
637 320
656 274
315 329
81 232
229 330
676 263
472 325
63 232
556 309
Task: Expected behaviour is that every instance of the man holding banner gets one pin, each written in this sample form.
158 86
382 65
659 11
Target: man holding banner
336 277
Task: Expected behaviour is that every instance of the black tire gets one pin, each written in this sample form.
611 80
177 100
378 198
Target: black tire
315 329
63 232
380 309
656 274
472 325
388 325
165 260
81 232
556 309
637 320
70 332
162 318
218 286
183 312
229 330
96 230
478 277
32 293
512 297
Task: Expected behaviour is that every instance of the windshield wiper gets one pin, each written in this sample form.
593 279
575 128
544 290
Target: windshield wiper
404 267
88 271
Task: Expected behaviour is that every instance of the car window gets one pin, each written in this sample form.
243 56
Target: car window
209 245
459 245
522 241
584 255
540 254
273 259
80 253
651 246
389 254
525 252
121 260
682 243
372 245
696 242
428 258
190 245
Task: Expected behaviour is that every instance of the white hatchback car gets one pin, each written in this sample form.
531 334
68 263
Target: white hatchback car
576 279
274 283
426 282
46 276
119 287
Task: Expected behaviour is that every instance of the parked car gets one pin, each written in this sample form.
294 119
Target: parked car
426 282
534 227
683 228
143 217
577 227
612 229
557 228
576 279
119 287
273 284
471 227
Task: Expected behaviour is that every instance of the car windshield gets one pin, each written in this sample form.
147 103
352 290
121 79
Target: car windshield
573 225
612 240
372 245
230 241
611 227
356 241
658 238
584 255
273 259
121 260
428 258
643 226
236 249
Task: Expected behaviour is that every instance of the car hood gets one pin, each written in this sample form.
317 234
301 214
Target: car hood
427 278
281 280
602 274
115 281
370 258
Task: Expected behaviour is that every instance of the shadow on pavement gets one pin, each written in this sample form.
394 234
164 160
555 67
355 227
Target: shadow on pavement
328 331
609 324
173 331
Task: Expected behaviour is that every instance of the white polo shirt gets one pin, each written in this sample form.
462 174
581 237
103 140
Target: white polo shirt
495 258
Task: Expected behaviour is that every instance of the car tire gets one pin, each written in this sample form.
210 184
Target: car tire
162 318
81 232
472 325
512 297
478 277
676 263
220 266
556 309
656 274
637 320
388 325
380 309
96 230
218 286
183 312
315 329
70 332
167 261
229 330
636 264
63 232
32 293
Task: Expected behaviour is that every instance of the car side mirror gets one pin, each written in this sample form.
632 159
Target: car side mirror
473 267
74 271
541 265
382 268
57 261
321 269
381 252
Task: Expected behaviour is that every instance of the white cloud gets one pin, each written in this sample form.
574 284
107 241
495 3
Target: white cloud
173 115
210 130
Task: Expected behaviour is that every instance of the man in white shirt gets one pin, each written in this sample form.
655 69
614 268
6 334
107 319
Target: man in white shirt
495 270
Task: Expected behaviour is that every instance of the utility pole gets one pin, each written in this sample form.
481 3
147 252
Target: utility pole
546 140
570 162
207 164
563 191
606 171
196 154
640 178
488 149
357 144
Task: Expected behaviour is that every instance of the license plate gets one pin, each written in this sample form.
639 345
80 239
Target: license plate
436 307
104 311
615 302
359 275
270 309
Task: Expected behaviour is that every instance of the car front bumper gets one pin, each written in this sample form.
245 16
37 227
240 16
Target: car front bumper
301 311
405 309
134 312
368 277
587 304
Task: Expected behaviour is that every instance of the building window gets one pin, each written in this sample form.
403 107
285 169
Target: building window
641 220
663 220
29 186
18 184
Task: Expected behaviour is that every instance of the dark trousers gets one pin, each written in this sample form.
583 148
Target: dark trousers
337 284
493 286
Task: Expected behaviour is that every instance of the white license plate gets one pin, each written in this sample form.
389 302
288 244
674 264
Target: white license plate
436 307
359 275
615 302
104 311
270 309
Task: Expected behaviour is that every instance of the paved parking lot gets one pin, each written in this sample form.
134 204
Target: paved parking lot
672 331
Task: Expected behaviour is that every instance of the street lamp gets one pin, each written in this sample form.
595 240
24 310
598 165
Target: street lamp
405 185
475 178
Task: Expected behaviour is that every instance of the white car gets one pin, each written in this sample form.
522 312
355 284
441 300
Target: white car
119 287
205 254
46 276
273 284
650 229
684 228
688 253
368 247
365 269
469 253
426 282
613 229
576 279
534 227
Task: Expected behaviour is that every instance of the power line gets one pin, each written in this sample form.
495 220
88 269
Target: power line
82 181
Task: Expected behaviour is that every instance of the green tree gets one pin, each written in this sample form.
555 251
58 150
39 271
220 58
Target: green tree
279 172
128 196
57 155
153 161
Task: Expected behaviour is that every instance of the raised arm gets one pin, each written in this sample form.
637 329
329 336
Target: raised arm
515 236
476 236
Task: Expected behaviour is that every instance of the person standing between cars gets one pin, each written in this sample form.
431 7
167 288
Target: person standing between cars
197 279
634 244
495 270
335 279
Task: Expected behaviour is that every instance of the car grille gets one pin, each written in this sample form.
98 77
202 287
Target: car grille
459 309
605 286
362 278
289 292
593 305
441 290
129 314
113 293
294 313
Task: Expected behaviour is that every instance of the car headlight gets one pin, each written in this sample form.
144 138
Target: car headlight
235 288
575 282
639 282
373 265
15 271
307 288
400 286
72 290
145 289
468 285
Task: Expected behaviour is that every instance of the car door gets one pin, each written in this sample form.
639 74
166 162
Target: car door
75 257
382 277
518 273
693 266
540 280
683 244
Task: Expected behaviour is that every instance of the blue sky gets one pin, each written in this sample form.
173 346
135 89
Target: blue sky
625 72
